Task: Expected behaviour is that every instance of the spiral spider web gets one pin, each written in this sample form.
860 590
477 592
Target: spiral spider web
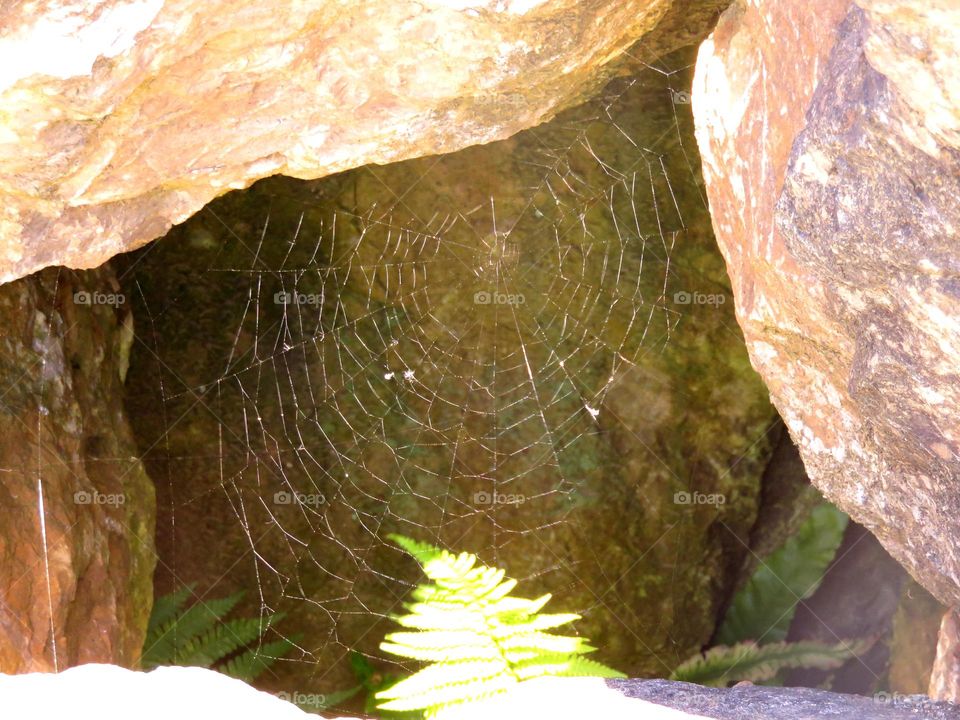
457 375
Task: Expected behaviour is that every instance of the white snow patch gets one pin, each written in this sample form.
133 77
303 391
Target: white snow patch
108 692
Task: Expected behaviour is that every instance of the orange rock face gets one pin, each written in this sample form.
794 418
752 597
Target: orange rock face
76 506
119 118
828 131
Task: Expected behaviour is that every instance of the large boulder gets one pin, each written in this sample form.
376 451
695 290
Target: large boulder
149 109
76 507
831 152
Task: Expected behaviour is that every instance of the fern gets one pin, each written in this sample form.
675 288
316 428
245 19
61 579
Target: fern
752 635
759 663
198 636
254 661
479 639
765 607
166 608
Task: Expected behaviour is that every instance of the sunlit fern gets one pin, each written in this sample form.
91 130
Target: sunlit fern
198 636
479 639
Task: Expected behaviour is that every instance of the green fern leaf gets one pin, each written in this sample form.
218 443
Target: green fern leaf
170 639
422 552
764 609
198 636
250 664
224 639
480 639
166 608
585 667
442 693
758 663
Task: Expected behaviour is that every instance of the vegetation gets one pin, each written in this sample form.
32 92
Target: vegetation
199 636
763 663
764 608
478 639
752 636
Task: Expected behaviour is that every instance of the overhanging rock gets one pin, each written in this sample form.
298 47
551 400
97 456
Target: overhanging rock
150 108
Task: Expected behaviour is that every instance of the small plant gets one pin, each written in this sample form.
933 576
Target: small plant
478 639
752 634
762 663
763 610
198 636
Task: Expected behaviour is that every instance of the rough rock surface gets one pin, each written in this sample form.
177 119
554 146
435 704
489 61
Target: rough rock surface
756 702
150 108
76 507
685 413
913 645
945 676
857 598
112 693
829 135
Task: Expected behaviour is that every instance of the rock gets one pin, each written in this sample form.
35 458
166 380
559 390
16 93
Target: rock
857 598
945 676
616 421
829 139
786 499
913 646
756 702
76 507
112 693
150 109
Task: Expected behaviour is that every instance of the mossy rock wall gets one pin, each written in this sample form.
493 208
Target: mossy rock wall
525 349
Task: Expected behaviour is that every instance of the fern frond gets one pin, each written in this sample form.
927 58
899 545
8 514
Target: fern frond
440 693
198 636
338 697
764 608
422 552
440 646
224 639
254 661
757 663
165 647
480 639
166 607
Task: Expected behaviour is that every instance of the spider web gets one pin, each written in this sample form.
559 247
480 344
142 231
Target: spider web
442 348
